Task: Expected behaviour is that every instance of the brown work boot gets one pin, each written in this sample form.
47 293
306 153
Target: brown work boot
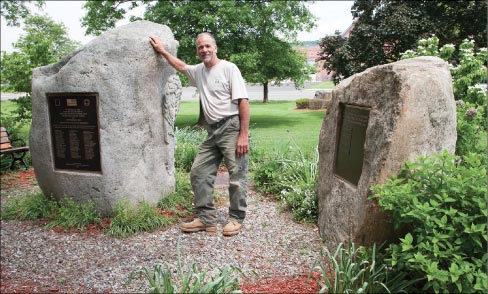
232 228
196 225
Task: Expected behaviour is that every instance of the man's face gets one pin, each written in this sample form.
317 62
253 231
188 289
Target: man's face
207 50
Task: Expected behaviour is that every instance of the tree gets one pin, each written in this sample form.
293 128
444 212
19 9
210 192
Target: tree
383 29
16 11
251 33
43 43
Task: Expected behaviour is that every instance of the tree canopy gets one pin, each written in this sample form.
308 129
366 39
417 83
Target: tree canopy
43 43
253 34
383 29
15 12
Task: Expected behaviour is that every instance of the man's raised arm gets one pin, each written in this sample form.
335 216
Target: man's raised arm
175 62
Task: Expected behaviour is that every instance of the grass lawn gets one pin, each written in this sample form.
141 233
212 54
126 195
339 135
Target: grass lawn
7 107
275 125
323 85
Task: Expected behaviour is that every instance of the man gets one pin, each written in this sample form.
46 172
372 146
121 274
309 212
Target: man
224 100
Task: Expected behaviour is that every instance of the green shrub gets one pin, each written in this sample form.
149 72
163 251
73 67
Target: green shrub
189 280
302 103
187 142
74 215
442 200
351 270
293 179
29 207
132 219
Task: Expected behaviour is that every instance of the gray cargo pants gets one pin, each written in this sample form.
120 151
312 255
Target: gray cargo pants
220 144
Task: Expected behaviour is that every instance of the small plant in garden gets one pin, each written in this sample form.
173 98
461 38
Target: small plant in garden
293 178
132 219
188 140
189 280
442 200
29 207
180 201
351 270
74 215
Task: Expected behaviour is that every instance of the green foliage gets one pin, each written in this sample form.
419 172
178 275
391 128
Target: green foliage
442 201
74 215
467 73
29 207
302 103
15 12
191 279
187 142
242 29
383 29
43 43
351 270
180 201
471 125
132 219
293 178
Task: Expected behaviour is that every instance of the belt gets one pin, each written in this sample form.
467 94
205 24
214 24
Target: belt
221 122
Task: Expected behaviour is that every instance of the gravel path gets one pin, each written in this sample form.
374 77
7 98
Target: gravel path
39 260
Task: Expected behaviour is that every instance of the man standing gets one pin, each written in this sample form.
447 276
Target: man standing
224 100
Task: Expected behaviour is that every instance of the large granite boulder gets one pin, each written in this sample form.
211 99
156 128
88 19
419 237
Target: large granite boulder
379 119
102 120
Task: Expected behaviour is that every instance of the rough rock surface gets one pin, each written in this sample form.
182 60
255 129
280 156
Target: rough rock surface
138 98
411 113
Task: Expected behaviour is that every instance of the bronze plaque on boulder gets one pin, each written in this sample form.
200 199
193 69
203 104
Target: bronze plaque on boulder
350 147
75 131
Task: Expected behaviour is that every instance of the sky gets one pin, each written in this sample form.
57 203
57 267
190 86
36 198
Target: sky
332 16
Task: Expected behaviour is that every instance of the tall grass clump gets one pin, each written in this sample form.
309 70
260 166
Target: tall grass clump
180 201
74 215
291 176
361 270
133 219
32 206
187 142
189 280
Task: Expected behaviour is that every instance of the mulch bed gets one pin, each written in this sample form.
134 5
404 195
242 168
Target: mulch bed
21 179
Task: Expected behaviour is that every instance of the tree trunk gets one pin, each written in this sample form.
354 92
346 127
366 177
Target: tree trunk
265 92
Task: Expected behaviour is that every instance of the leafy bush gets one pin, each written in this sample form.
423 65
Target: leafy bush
470 128
74 215
293 179
131 219
442 200
191 280
187 142
29 207
302 103
351 270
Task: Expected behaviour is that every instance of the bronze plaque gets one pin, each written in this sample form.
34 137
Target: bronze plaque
75 131
350 147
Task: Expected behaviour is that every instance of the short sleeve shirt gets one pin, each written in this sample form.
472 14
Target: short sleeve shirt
220 87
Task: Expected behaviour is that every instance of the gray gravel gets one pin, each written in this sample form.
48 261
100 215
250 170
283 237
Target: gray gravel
271 244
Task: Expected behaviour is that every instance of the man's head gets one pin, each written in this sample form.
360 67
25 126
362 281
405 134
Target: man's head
207 49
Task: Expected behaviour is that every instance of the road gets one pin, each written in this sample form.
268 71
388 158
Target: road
284 92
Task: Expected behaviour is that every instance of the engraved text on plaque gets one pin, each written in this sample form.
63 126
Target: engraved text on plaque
350 147
75 131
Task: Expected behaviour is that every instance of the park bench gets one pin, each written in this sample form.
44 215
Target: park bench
7 147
